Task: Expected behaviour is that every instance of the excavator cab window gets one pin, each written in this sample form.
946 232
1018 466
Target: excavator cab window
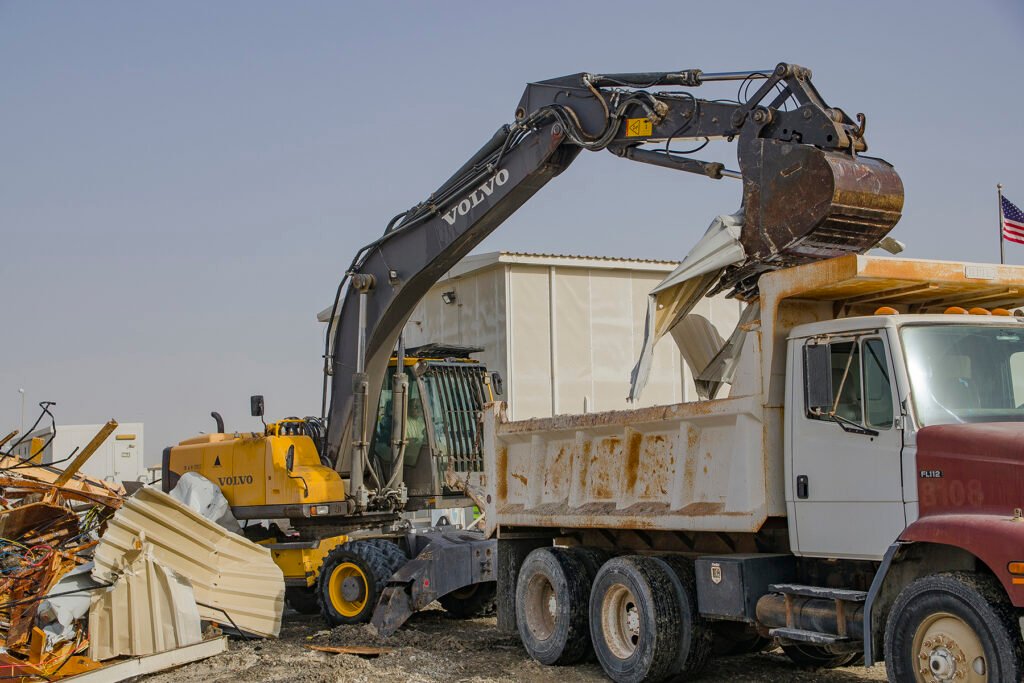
415 429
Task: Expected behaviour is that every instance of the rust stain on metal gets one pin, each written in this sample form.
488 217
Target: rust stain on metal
702 508
520 478
584 465
632 465
501 482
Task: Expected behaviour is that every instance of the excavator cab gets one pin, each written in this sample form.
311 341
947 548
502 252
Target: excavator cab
446 392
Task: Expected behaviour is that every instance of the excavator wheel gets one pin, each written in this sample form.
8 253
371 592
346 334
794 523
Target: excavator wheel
351 579
475 600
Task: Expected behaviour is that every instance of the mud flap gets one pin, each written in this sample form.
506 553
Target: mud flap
445 560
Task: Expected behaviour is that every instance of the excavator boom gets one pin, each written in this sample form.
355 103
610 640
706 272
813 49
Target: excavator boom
808 194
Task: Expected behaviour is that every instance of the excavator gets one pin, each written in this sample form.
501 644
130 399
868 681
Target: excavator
344 480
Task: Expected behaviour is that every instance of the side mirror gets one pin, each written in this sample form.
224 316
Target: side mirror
817 378
497 384
289 459
256 406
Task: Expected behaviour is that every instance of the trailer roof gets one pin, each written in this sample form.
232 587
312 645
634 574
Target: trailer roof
923 285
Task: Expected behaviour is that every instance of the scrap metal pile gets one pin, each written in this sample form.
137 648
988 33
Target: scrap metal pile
95 580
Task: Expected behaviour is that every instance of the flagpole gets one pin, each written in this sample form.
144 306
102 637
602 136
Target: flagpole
999 191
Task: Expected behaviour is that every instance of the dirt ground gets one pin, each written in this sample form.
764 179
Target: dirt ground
435 647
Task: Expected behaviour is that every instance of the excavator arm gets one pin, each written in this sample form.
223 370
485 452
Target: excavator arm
807 195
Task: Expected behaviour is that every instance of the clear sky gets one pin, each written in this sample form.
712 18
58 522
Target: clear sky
182 184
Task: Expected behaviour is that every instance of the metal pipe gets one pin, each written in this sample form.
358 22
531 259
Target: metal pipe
360 388
736 75
399 416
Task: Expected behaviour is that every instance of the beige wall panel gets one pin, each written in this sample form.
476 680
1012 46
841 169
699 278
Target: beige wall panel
572 343
611 306
529 372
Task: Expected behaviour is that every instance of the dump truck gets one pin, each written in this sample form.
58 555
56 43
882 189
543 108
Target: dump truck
855 496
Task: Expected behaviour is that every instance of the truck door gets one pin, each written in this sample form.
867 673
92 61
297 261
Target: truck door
846 489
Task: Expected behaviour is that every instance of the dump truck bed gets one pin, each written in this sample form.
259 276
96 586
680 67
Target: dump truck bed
713 465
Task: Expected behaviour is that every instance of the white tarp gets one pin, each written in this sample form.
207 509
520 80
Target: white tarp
203 496
670 301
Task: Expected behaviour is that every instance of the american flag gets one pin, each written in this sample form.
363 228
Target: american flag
1013 222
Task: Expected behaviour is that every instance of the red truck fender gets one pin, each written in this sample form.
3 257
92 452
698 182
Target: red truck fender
938 543
996 540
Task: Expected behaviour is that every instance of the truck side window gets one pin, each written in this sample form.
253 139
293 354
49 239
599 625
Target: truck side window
860 382
846 381
877 388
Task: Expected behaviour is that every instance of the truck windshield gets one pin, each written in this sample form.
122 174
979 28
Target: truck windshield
965 373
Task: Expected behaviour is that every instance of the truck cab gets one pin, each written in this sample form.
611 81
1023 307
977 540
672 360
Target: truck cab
865 395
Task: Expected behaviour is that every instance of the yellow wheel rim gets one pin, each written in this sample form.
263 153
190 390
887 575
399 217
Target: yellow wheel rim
348 589
946 649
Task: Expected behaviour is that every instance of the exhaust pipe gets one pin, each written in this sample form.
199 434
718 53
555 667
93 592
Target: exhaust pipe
219 420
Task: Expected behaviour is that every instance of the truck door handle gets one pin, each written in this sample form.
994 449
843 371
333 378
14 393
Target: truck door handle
801 486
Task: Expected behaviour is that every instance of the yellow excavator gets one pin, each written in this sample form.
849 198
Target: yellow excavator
344 480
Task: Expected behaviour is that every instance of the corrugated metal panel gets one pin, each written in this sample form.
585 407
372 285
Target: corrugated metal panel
148 609
227 571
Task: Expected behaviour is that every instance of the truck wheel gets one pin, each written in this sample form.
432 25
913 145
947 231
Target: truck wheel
592 559
817 657
551 606
695 635
351 579
302 599
953 626
474 600
635 623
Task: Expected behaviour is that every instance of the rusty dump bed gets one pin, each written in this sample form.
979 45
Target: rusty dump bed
711 465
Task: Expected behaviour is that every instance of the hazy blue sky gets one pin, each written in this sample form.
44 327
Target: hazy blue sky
182 184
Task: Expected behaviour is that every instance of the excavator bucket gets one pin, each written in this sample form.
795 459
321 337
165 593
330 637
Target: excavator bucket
805 204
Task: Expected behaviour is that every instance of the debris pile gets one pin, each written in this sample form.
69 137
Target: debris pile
92 579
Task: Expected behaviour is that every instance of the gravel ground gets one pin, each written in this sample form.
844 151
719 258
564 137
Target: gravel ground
435 647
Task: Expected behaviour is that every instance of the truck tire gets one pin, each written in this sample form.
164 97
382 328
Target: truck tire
954 626
817 657
302 599
475 600
551 606
635 624
695 634
592 559
351 579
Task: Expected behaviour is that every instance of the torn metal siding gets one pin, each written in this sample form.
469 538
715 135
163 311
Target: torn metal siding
229 574
149 609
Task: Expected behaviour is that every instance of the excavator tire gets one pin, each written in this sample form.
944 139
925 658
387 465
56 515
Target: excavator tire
302 599
396 557
351 579
475 600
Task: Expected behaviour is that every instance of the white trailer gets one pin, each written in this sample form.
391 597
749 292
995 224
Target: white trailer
119 459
